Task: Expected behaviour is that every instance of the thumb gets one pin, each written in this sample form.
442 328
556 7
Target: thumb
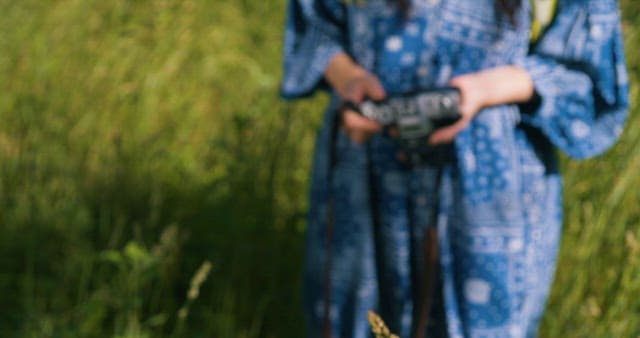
355 94
374 89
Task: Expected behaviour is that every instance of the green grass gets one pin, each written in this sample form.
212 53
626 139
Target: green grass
140 139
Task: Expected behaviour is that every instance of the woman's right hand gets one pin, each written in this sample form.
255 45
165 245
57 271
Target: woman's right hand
353 83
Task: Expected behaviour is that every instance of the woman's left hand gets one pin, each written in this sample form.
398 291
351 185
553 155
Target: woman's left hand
472 95
501 85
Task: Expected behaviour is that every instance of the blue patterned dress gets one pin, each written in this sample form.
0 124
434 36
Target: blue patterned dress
496 206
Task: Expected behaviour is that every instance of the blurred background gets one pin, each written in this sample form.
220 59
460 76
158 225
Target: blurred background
153 183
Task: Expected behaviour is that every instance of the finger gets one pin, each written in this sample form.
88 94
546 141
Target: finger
355 93
359 136
374 89
458 81
471 99
355 121
447 134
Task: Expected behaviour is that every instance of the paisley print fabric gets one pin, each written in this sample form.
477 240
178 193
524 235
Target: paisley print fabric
496 205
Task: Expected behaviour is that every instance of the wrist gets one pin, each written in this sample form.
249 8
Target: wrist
503 85
489 83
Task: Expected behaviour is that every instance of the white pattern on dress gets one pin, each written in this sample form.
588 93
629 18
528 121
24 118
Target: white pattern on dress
477 291
393 44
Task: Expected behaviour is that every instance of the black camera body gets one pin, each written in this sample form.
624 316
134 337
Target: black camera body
415 116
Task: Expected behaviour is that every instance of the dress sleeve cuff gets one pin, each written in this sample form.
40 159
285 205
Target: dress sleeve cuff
304 73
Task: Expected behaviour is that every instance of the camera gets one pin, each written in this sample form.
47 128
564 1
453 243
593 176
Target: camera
415 116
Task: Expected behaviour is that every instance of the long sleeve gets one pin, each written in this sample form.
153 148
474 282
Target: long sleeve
579 74
315 32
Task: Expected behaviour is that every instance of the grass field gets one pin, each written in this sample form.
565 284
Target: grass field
141 141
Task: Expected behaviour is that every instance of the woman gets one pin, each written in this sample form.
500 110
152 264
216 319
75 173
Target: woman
496 200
